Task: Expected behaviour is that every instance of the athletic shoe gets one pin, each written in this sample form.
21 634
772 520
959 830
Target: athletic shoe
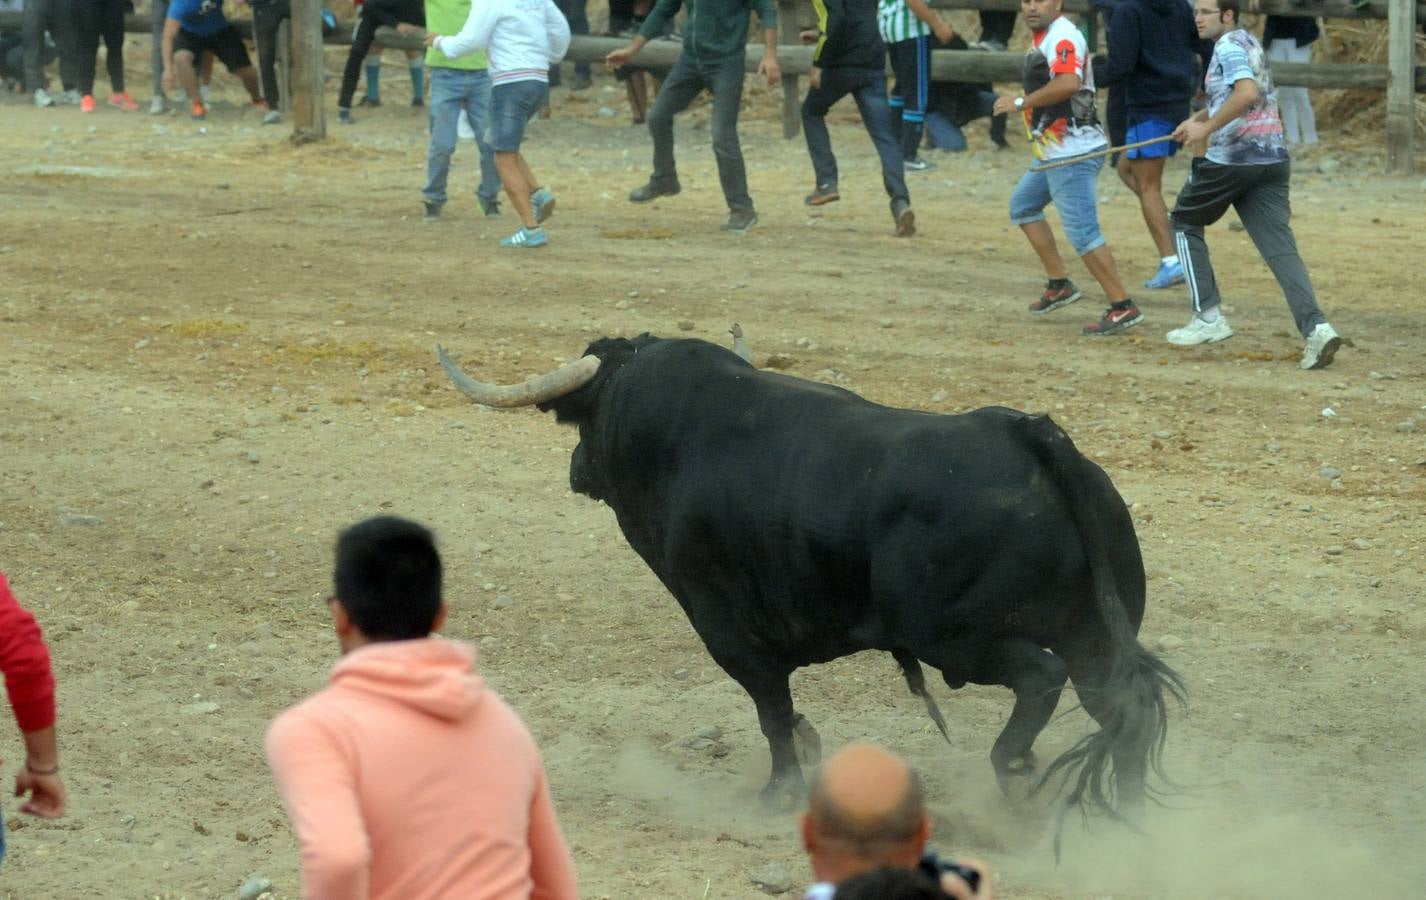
1055 297
199 111
123 101
69 98
992 46
272 117
918 165
645 193
1322 345
582 81
739 220
526 237
822 195
544 204
205 94
344 117
491 207
86 103
1166 276
158 106
905 219
433 211
369 101
418 102
1197 331
43 98
1116 319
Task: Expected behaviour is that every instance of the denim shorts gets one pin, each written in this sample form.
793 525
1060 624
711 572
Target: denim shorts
1147 130
512 105
1072 190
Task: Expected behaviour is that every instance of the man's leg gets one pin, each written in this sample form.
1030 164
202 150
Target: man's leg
1073 189
1027 209
870 97
34 17
1202 201
1145 177
683 84
944 134
230 49
814 125
910 62
186 74
1266 213
726 80
112 24
449 93
266 19
159 13
361 43
512 178
85 18
579 24
477 109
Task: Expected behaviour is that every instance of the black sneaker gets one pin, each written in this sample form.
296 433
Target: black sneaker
739 220
418 101
822 195
645 193
905 219
344 117
433 211
1055 297
1119 317
491 207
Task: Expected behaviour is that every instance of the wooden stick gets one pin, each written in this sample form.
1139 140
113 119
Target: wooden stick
1071 160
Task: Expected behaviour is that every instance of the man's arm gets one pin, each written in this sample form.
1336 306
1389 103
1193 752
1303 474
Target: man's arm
316 785
1062 87
939 27
556 31
551 868
1198 128
1123 48
474 35
663 11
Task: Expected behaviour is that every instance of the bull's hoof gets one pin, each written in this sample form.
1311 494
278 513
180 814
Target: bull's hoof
1017 778
807 742
782 796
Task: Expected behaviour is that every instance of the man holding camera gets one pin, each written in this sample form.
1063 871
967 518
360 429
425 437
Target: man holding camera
866 811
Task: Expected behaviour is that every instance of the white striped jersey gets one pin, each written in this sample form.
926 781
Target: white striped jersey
897 22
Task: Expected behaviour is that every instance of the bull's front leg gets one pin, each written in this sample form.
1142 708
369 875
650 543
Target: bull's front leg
770 691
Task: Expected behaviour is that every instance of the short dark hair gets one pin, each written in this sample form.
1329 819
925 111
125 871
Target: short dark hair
388 578
1233 7
890 884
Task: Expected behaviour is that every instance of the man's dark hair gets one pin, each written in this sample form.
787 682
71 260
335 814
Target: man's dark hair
1232 6
890 884
388 578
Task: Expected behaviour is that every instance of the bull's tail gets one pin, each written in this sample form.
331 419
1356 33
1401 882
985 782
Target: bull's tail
1125 687
916 681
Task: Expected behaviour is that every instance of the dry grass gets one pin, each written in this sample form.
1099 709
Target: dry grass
1358 111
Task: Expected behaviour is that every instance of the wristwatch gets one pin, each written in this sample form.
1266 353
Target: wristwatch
1019 103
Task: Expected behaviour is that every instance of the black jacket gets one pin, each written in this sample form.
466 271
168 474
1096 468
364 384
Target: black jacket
1151 52
850 39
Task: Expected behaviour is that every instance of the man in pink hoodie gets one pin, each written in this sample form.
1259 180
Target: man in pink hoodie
407 777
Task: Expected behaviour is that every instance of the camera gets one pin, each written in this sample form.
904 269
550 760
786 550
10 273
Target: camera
935 867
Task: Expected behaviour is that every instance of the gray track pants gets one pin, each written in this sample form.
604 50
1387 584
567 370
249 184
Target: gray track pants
1260 195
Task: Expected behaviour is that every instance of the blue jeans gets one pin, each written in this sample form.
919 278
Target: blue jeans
868 89
513 104
453 90
945 134
1072 190
685 82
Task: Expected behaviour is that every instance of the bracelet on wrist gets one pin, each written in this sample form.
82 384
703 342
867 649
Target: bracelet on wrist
33 771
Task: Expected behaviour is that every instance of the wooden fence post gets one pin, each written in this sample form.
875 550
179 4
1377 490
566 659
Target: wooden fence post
1401 87
791 100
309 120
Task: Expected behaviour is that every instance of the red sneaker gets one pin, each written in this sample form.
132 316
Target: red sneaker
1054 298
1116 319
123 101
199 111
86 103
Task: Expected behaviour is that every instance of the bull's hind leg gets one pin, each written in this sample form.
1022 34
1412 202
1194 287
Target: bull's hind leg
1037 677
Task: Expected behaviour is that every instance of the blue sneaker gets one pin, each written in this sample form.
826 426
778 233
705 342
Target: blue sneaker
544 203
1166 276
526 237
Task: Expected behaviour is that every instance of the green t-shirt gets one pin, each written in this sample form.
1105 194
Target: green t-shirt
448 17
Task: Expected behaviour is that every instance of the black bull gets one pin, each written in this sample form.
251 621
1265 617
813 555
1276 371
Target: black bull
796 523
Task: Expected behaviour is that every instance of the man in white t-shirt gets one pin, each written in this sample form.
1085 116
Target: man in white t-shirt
1059 115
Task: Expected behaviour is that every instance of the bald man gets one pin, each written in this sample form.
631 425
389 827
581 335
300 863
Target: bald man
866 811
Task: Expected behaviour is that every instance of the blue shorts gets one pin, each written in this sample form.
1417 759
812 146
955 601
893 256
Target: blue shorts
1147 130
1072 189
512 105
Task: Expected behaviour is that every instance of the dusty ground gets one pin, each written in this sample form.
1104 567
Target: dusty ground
217 349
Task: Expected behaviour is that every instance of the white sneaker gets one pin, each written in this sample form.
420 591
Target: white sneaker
43 98
1198 332
1322 345
206 94
69 98
158 106
272 117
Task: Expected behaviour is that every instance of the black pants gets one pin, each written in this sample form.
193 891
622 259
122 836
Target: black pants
374 14
267 18
574 11
38 17
96 20
911 64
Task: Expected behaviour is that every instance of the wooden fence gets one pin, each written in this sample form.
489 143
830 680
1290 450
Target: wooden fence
1401 77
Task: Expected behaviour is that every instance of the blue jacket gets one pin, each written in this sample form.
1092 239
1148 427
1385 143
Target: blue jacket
1152 46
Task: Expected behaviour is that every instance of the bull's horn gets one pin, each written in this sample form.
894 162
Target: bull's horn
740 344
536 389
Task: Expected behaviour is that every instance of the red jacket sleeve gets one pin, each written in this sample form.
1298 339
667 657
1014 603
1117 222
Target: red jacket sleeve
25 662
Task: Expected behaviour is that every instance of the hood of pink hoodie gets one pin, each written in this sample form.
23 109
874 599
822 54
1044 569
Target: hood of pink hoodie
432 675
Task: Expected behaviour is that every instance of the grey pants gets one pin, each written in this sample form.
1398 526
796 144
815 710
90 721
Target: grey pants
685 82
1260 195
37 17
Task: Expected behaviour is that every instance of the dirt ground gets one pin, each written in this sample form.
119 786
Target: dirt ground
218 349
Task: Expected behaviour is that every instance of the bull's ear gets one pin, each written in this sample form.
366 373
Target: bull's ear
573 408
